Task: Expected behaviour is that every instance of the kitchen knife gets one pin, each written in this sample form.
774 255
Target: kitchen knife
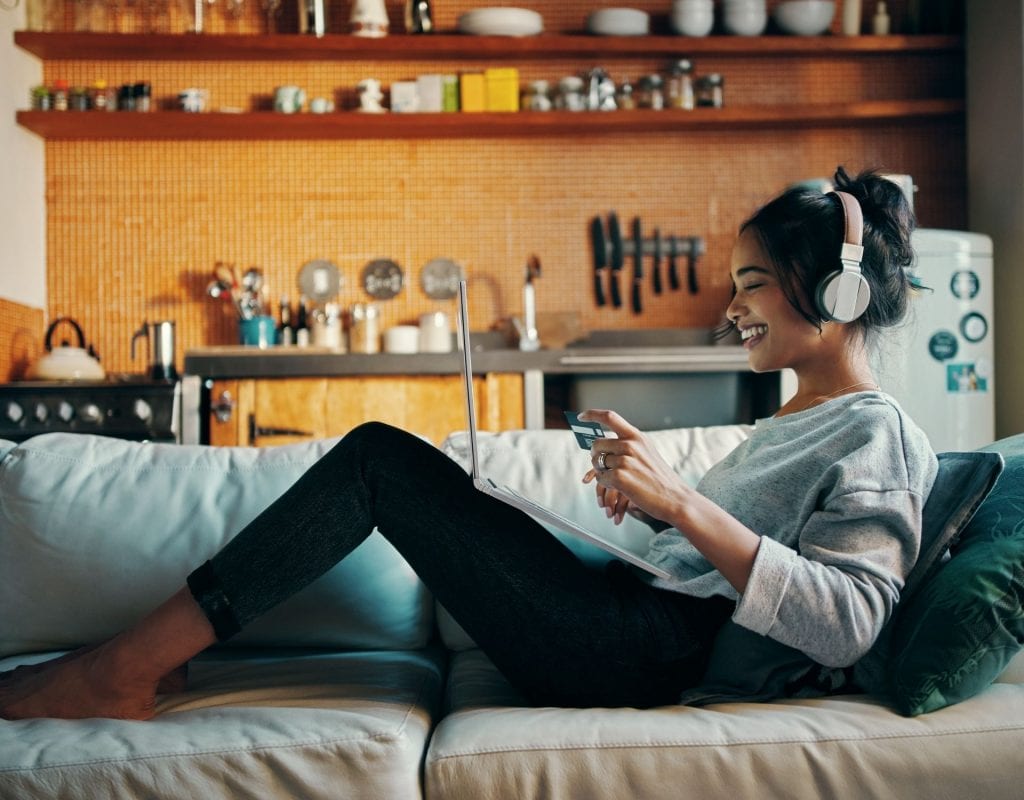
615 235
638 264
673 273
696 249
600 257
656 267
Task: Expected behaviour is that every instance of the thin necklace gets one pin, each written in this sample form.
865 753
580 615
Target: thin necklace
838 392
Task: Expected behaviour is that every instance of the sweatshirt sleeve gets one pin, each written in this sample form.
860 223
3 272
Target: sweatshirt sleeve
831 596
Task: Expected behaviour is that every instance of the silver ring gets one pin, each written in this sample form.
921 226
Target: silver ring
601 464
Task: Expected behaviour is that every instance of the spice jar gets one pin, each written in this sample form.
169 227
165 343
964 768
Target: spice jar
570 94
41 99
624 98
60 95
364 328
650 94
536 97
680 85
141 97
711 91
78 99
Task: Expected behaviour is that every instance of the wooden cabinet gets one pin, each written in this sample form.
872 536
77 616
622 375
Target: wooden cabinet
269 411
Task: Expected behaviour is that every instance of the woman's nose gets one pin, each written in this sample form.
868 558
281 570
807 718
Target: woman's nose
734 310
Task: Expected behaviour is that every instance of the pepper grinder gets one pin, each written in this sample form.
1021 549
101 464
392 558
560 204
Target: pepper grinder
419 17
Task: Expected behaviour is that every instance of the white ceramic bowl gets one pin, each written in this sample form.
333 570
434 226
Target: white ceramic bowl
619 22
804 17
744 20
501 22
690 19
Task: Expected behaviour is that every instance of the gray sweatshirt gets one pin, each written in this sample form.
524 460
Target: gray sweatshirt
836 493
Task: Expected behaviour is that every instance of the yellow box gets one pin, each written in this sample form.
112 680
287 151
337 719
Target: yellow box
502 89
472 94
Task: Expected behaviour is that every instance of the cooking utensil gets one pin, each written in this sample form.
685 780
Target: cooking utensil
67 363
440 278
615 236
160 336
638 264
382 278
600 249
696 250
673 273
319 280
656 267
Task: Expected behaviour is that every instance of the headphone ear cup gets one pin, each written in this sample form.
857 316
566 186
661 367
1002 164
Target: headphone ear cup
842 296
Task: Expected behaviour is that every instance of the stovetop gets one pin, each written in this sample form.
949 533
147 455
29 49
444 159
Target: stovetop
125 406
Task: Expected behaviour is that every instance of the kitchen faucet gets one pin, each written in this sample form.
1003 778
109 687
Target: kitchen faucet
529 339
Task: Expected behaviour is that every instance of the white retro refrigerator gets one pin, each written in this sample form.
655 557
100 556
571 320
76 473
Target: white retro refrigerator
939 363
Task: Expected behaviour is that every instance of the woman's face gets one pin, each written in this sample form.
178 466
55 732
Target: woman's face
773 333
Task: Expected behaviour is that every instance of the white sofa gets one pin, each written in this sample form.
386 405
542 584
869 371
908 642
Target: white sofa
359 687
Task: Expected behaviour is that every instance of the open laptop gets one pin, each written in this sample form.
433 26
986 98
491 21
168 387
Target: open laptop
510 496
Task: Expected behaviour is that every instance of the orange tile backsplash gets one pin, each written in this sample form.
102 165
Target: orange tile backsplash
21 335
135 228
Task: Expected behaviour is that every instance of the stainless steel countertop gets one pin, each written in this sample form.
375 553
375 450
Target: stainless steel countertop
278 362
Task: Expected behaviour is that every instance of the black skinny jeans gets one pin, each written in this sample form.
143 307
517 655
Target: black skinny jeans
562 633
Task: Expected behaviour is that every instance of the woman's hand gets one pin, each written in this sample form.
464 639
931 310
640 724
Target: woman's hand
632 477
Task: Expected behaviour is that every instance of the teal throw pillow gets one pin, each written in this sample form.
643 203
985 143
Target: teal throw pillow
954 636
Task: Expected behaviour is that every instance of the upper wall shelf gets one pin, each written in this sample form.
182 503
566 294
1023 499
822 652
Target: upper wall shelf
294 47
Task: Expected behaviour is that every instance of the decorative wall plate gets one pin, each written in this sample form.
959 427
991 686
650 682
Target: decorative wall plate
382 278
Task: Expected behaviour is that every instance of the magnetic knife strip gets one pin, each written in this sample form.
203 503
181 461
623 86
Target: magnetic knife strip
611 249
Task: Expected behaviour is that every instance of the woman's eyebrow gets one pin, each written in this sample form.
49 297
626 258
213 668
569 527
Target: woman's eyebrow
751 268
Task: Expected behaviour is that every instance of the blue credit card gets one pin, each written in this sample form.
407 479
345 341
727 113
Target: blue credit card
585 432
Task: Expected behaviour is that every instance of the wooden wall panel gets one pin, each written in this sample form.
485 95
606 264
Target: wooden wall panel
21 339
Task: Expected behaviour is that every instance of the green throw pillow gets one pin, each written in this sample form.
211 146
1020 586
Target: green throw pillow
961 628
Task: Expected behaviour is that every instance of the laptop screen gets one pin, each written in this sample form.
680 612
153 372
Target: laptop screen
467 377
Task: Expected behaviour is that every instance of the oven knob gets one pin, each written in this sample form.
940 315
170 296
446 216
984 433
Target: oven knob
91 413
14 412
40 412
65 411
142 411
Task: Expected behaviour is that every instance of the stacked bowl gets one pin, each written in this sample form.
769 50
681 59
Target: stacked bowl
692 17
744 17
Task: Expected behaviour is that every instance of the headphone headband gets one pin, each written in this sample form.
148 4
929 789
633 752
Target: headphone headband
852 250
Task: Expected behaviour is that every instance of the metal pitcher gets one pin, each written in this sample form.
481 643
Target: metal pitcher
161 349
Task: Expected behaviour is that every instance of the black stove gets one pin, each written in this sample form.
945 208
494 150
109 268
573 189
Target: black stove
134 407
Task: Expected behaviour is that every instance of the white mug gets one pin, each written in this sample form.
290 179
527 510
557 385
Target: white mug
435 333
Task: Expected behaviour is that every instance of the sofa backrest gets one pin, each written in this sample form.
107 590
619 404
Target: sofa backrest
94 532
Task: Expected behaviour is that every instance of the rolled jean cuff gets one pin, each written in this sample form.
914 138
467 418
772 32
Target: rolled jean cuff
207 592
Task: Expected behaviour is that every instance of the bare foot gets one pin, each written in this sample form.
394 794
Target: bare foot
88 683
172 683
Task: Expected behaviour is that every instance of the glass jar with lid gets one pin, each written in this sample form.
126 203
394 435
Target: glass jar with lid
711 90
680 85
650 92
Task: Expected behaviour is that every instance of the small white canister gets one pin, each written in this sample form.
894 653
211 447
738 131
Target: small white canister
435 333
402 339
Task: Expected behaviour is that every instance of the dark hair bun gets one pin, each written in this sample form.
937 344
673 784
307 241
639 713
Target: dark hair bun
888 253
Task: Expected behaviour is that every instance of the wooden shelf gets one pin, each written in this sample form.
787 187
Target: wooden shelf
402 47
99 125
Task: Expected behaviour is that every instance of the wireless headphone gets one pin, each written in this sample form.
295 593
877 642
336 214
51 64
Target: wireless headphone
843 295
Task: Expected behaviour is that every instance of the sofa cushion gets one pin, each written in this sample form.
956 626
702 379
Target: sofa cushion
547 466
316 726
491 745
94 532
956 635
